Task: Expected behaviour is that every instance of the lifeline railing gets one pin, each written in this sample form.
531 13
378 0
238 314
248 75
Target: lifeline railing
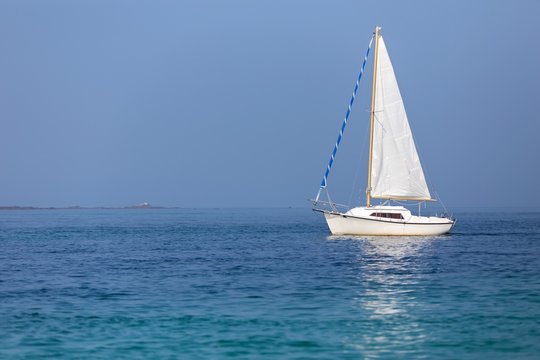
329 206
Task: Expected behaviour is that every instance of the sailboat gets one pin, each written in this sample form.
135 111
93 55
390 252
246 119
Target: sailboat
395 174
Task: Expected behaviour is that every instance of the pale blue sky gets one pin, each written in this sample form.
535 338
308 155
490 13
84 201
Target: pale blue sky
238 103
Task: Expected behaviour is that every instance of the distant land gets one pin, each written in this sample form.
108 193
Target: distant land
143 205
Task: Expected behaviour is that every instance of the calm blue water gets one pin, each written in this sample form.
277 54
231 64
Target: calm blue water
211 284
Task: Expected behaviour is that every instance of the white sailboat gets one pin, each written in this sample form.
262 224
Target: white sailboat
394 169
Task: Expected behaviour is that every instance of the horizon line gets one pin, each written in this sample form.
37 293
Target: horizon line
146 206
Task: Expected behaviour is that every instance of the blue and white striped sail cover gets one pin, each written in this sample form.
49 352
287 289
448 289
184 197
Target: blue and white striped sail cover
342 130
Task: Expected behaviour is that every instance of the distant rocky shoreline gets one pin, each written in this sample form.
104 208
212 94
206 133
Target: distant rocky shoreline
76 207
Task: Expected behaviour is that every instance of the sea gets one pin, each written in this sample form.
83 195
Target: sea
264 284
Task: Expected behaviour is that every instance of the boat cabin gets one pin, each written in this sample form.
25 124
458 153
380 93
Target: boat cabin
381 212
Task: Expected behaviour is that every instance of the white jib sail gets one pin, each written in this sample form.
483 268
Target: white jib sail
396 170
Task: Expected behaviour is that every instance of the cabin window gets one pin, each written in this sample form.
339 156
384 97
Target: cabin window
387 215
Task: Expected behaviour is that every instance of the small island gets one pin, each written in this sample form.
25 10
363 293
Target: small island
143 205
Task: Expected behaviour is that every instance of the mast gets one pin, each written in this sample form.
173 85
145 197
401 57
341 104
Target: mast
372 116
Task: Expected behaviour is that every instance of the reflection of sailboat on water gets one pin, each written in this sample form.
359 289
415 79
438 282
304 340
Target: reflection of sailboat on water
396 248
391 276
394 169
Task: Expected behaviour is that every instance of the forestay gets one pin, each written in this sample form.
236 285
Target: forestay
396 170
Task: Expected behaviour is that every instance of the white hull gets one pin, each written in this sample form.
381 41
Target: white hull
342 224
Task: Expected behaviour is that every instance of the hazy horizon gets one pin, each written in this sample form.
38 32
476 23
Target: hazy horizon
307 206
238 104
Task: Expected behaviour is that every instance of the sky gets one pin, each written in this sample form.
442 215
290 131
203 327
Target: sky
239 103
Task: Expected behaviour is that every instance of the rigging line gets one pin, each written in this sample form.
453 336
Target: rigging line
404 204
442 203
358 169
336 146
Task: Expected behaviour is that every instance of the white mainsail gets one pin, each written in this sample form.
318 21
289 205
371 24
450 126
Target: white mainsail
396 170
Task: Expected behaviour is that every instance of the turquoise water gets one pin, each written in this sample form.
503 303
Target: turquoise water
254 283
